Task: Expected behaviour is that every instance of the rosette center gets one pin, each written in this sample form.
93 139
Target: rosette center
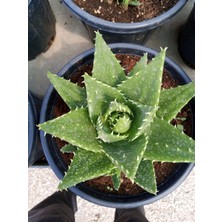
116 122
119 122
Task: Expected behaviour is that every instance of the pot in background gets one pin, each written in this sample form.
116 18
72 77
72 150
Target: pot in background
112 32
41 27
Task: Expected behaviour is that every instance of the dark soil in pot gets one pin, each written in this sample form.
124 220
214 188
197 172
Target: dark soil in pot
162 170
114 12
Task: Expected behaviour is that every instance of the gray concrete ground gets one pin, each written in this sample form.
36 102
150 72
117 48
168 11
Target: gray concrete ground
72 39
177 206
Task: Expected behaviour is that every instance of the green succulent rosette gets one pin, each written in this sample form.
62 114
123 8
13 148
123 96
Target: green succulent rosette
120 123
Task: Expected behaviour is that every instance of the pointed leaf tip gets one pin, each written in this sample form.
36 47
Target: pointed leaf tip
72 94
106 67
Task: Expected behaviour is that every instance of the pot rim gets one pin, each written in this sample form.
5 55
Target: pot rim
98 197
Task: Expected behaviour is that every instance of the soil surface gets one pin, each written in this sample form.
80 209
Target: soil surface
162 170
115 12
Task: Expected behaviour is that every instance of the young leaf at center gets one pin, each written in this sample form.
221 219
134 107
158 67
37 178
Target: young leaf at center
99 96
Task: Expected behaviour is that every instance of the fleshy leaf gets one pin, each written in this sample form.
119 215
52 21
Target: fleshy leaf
85 166
115 123
74 127
68 148
134 3
73 95
126 155
173 100
139 65
106 68
143 117
105 134
168 144
99 96
116 178
145 176
145 86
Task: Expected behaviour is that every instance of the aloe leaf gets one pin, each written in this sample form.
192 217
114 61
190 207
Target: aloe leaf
145 86
168 144
134 3
86 165
116 178
105 134
125 2
99 96
145 176
74 127
115 123
73 95
143 117
106 68
139 65
173 100
126 155
68 148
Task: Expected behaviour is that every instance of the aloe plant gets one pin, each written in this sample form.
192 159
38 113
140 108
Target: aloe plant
120 123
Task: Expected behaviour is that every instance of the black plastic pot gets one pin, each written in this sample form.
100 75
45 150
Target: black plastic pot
41 27
53 154
35 151
186 42
137 32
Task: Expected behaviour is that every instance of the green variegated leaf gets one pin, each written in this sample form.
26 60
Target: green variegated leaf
168 144
116 178
126 3
73 95
114 125
126 155
145 176
68 148
106 67
143 117
85 166
134 3
139 66
99 96
173 100
145 86
74 127
105 134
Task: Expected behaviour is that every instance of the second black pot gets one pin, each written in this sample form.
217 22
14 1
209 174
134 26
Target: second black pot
112 32
53 154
